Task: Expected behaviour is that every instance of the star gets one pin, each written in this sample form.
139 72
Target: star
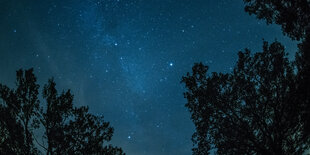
170 64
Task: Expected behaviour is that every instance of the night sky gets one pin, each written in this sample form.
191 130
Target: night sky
125 58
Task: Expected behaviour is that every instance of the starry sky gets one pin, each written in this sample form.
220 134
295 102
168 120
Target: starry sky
125 58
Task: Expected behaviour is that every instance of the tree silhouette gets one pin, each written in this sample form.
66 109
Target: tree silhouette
294 17
58 109
11 130
67 129
252 110
22 105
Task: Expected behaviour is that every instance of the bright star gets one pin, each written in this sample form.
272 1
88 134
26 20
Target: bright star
171 64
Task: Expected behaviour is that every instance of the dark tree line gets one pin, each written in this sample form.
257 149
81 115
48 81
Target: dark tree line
67 129
262 107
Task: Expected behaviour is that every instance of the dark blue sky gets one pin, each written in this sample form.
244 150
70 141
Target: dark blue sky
125 58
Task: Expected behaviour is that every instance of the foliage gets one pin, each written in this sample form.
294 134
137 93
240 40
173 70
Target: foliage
20 111
68 129
292 15
11 130
253 110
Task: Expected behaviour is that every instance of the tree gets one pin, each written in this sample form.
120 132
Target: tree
71 130
294 18
253 110
22 106
11 130
68 129
58 109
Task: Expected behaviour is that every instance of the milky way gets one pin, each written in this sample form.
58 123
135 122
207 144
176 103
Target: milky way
125 58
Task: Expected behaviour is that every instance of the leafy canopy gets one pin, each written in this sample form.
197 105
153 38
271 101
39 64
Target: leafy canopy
292 15
252 110
67 129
